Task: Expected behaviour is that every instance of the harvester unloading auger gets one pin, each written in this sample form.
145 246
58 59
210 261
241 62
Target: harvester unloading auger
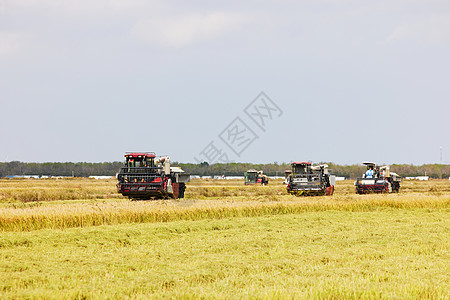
145 176
378 180
310 180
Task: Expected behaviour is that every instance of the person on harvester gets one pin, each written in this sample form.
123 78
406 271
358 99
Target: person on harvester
369 172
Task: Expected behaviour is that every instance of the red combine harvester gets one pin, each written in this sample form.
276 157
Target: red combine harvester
145 176
310 180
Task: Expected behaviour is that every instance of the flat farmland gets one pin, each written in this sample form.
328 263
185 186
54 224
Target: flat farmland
78 238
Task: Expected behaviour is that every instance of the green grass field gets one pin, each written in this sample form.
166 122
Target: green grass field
223 241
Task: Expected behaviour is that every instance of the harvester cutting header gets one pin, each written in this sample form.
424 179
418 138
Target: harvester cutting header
145 176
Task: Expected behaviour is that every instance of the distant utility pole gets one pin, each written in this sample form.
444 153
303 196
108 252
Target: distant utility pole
441 154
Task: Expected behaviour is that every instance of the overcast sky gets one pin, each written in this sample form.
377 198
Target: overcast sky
353 80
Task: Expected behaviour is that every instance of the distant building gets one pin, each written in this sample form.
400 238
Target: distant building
101 177
23 176
418 178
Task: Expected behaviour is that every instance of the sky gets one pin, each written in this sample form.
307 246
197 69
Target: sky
343 81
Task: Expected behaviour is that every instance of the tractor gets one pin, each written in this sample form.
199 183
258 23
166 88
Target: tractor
255 177
378 180
145 176
308 180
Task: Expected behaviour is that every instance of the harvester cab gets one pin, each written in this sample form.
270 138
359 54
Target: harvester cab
138 161
377 180
253 176
145 176
309 180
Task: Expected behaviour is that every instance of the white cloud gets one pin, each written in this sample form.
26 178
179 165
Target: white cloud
184 30
433 30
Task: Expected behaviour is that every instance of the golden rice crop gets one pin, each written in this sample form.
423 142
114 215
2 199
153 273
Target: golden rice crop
52 190
36 204
99 213
385 254
83 189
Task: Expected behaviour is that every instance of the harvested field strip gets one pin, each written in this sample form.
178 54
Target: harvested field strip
385 254
61 216
15 191
55 190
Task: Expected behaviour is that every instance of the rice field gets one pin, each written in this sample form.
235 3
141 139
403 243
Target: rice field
77 238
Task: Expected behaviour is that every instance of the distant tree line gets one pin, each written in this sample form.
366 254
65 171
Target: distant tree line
84 169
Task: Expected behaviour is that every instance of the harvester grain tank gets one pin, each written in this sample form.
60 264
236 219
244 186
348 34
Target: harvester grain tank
253 176
309 180
145 176
378 180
